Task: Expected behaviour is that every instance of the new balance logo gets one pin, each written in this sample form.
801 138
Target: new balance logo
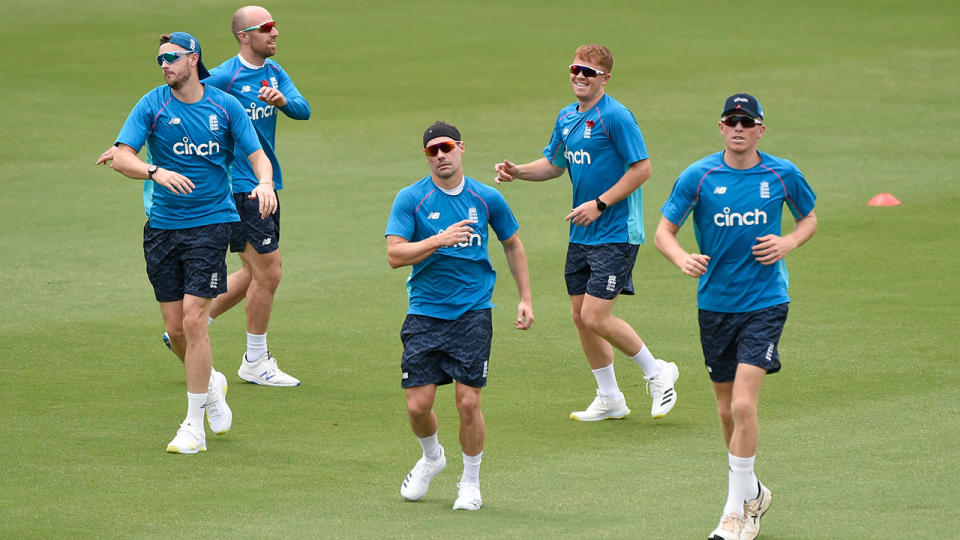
245 89
720 190
266 241
174 121
433 215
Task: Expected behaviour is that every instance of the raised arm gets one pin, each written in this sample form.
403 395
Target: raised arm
403 252
535 171
126 162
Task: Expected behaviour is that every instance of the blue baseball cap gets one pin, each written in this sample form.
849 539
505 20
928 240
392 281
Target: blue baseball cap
191 44
743 103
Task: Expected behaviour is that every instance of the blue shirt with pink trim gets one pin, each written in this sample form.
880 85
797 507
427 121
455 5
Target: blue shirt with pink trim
454 279
597 147
732 208
243 81
196 140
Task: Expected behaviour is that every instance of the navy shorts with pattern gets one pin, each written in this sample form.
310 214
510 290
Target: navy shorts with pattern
729 339
602 271
440 351
263 234
187 261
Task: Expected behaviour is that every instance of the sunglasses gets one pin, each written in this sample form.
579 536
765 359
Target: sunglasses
170 57
445 146
745 121
263 28
577 69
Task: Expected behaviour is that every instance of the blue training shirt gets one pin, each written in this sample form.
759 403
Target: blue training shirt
197 140
243 81
597 147
454 279
731 209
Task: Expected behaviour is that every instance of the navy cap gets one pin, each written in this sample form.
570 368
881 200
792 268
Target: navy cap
743 103
440 129
191 44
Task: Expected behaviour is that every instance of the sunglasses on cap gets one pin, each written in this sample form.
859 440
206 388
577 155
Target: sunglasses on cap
445 146
263 28
577 69
170 57
745 121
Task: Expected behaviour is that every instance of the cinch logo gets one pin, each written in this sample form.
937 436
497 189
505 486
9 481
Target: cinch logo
469 241
579 157
256 113
731 219
187 148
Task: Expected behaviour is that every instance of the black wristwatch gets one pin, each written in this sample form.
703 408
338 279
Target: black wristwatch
150 170
601 206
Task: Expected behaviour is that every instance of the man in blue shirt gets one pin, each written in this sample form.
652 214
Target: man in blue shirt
263 88
192 132
439 226
597 140
736 198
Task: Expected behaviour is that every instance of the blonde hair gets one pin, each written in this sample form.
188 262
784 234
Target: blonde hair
596 53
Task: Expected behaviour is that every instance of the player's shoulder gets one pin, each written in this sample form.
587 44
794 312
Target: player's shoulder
569 110
156 97
704 165
226 69
778 163
417 189
481 189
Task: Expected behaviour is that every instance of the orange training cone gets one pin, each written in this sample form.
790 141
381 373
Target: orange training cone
884 199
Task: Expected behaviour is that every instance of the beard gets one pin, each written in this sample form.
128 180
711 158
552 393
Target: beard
176 82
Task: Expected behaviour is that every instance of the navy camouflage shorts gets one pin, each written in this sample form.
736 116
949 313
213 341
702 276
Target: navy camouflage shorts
729 339
440 351
263 234
187 261
602 271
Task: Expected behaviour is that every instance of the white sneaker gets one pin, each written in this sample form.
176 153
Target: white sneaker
190 439
728 529
753 511
417 482
166 341
468 497
601 408
219 415
265 371
660 388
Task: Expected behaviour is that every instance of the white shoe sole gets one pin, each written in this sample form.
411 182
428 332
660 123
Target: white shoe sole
613 415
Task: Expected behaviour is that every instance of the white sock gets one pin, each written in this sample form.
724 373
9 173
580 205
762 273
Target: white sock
607 381
195 404
646 361
431 446
742 482
256 346
209 321
471 468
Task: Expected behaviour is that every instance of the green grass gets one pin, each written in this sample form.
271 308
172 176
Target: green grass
859 431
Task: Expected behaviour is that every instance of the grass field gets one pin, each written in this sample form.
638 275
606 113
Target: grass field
860 430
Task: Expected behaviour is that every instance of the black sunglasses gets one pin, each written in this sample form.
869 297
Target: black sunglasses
745 121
